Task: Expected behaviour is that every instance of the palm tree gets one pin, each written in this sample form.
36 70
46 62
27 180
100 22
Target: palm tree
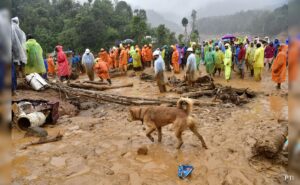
185 22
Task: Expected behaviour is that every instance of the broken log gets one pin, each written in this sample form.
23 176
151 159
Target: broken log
96 83
124 100
43 140
199 94
97 87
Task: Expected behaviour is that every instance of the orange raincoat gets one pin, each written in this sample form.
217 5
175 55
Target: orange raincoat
175 58
143 53
148 55
123 57
101 68
279 67
116 56
112 59
51 66
103 55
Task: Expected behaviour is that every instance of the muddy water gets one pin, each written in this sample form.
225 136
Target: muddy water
100 146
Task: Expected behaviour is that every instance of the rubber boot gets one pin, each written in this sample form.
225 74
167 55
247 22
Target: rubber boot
109 81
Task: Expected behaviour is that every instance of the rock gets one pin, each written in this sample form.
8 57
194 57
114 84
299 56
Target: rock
109 172
142 150
58 161
36 132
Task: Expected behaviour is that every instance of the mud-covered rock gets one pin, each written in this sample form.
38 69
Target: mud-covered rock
142 150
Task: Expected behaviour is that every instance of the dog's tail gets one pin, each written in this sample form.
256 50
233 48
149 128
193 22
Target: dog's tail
185 104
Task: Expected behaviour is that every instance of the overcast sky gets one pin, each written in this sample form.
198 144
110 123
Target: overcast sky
176 9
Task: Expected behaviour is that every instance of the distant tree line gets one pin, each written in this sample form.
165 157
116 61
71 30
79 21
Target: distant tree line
258 22
93 25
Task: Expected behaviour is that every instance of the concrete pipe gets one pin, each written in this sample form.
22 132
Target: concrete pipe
34 119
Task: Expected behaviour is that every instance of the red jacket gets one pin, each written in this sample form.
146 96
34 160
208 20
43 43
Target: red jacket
242 54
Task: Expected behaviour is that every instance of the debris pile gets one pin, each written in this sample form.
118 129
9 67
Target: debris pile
146 77
34 113
204 86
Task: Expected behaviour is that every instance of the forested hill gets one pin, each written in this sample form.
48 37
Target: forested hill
94 24
257 22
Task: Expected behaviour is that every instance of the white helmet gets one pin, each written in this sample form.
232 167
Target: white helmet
87 51
190 49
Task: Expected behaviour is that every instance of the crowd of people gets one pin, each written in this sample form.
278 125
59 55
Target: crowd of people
218 56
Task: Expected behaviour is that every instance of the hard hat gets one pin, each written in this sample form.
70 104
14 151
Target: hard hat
190 49
87 51
156 52
227 44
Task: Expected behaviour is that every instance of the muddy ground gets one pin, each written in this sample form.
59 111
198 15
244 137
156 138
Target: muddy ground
99 145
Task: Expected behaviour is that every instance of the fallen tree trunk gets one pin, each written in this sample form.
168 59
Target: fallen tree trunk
124 100
199 94
101 88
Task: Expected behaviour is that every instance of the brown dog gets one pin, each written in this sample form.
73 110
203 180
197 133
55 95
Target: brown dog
156 117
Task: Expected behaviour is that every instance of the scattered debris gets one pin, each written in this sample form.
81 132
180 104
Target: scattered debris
43 140
36 81
204 86
184 171
34 113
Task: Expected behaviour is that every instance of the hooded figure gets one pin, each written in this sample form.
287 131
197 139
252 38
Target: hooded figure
18 39
250 57
175 58
159 68
135 54
258 62
51 66
227 61
102 70
279 67
219 58
191 66
148 56
63 70
123 59
103 55
88 62
35 60
209 61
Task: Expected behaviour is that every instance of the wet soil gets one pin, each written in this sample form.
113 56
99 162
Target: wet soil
100 146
